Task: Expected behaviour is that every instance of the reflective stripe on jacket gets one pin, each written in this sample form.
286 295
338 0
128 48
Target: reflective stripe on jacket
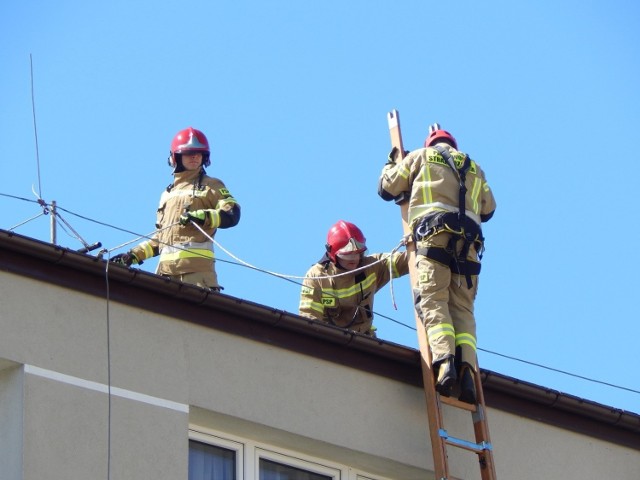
211 195
434 186
347 300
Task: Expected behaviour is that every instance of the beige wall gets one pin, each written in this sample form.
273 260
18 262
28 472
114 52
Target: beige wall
11 408
166 373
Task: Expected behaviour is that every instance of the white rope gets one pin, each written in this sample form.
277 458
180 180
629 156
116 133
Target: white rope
404 241
282 275
149 236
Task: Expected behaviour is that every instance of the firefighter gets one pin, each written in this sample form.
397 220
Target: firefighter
339 289
449 198
186 254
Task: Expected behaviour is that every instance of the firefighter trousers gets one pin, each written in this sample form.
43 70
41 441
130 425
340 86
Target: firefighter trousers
445 304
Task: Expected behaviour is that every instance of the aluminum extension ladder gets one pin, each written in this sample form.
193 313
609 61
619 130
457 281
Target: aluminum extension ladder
440 438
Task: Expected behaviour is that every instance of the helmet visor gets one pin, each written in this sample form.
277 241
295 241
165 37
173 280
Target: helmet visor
192 144
353 247
349 257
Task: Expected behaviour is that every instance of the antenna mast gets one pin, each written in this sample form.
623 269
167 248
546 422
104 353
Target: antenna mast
54 237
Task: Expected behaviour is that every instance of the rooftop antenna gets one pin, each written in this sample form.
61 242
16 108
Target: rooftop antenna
54 236
35 128
43 204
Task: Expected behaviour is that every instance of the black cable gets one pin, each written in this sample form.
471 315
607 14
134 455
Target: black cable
108 297
560 371
18 198
98 222
375 313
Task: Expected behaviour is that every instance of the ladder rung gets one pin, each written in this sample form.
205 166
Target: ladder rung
459 442
454 402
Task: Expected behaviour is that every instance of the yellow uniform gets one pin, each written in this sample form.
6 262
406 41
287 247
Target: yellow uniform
347 300
447 269
186 254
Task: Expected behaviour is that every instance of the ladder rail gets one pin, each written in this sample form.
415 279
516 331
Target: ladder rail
481 430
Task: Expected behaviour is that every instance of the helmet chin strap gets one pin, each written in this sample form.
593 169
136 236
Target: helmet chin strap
179 166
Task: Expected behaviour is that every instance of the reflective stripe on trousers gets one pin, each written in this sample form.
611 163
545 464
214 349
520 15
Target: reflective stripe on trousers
445 305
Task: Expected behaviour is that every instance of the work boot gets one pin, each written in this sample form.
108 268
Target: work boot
467 385
446 376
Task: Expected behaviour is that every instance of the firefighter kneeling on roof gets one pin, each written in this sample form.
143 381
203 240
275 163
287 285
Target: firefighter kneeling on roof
339 289
448 199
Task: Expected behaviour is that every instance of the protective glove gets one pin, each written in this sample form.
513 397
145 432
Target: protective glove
127 259
197 216
391 158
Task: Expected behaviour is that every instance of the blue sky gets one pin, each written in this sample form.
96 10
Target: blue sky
293 97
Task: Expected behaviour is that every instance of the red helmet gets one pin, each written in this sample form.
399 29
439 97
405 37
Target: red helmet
436 134
189 140
345 237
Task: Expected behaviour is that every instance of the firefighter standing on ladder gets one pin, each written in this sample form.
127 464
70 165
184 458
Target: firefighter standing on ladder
186 254
448 199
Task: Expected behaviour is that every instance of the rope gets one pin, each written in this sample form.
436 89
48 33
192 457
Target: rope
149 236
285 277
282 275
404 241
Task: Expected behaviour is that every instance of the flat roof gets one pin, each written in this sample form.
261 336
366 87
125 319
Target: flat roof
85 273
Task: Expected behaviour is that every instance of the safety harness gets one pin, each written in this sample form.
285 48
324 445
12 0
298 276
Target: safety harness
458 224
357 280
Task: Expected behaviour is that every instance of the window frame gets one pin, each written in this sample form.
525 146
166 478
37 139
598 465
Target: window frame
222 442
249 451
293 461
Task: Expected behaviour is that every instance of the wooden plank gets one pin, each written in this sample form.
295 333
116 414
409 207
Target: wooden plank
433 411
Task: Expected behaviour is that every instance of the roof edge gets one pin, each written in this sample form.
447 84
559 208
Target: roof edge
499 388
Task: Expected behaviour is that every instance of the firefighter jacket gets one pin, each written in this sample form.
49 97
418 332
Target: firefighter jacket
184 248
347 300
434 186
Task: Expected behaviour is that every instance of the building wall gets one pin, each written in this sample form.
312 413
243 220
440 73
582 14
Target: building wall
62 352
11 408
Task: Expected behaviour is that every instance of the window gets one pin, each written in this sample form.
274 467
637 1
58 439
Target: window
270 470
209 462
214 455
214 458
276 466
